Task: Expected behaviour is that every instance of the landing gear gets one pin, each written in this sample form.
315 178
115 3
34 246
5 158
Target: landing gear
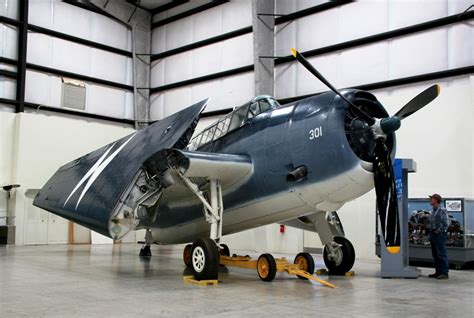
145 251
305 262
266 267
204 259
339 256
204 262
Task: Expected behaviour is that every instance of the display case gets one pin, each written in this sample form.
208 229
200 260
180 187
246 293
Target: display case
460 242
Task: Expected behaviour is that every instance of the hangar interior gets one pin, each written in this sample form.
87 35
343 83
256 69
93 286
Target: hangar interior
78 74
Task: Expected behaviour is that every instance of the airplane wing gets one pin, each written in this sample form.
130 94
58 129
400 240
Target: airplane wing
100 189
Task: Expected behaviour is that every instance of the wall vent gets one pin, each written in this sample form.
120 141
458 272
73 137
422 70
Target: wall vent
73 94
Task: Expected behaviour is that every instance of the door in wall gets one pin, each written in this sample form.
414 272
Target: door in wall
42 227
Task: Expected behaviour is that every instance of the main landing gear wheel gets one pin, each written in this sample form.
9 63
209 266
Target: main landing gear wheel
187 255
266 267
204 259
305 262
145 251
344 257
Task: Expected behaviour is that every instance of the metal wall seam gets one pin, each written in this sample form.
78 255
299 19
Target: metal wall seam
188 13
397 82
425 26
249 29
39 107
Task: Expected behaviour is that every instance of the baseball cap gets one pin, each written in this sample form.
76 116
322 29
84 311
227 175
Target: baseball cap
435 196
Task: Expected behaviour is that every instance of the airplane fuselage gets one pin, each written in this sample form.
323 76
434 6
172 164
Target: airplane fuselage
309 133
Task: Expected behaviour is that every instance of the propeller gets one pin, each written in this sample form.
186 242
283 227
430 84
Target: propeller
384 180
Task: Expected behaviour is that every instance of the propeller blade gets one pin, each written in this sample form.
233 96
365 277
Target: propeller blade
387 202
360 113
419 101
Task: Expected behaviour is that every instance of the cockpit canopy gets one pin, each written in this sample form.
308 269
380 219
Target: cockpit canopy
235 119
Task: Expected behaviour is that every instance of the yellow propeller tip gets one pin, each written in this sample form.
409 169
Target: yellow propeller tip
393 249
293 52
438 89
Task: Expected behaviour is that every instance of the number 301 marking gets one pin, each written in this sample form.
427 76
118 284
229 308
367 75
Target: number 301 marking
315 133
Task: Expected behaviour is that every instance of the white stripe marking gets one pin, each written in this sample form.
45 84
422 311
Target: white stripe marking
96 170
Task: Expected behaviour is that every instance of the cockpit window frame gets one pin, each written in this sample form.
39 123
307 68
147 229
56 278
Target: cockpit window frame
236 119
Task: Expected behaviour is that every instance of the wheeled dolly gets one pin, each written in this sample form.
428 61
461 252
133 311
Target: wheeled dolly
267 266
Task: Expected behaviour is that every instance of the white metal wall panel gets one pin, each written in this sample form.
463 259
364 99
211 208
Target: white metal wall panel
109 32
203 61
207 24
419 53
39 49
9 40
360 19
406 12
76 58
69 56
179 9
158 40
221 56
108 66
44 89
66 18
372 68
178 67
178 33
236 15
7 88
71 20
287 7
38 89
237 52
224 18
157 73
105 101
40 12
460 48
9 8
315 31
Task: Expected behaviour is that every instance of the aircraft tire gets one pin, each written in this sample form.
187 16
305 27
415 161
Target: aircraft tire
205 259
306 263
266 267
187 255
344 260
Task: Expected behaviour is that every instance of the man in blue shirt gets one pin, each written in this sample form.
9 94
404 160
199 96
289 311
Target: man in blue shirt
438 237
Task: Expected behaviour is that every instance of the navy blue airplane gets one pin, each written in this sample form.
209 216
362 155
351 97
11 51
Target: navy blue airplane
264 163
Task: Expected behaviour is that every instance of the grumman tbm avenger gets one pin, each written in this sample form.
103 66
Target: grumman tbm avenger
263 163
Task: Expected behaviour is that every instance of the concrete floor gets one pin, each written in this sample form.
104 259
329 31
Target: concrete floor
112 281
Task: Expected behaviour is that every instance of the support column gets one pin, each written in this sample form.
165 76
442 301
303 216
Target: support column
22 45
140 22
263 45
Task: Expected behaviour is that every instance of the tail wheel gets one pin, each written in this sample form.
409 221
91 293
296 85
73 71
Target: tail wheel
266 267
342 260
204 259
305 262
187 255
